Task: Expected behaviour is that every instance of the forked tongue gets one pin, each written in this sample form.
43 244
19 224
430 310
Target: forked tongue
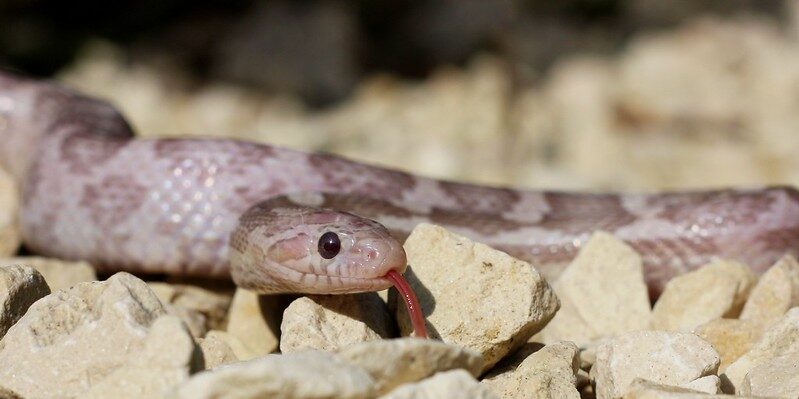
414 311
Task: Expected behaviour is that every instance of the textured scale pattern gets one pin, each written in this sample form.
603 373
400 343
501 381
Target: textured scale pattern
92 191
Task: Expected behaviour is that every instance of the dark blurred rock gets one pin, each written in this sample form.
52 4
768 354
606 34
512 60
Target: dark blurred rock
307 48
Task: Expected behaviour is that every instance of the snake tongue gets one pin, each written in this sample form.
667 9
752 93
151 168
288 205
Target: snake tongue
411 303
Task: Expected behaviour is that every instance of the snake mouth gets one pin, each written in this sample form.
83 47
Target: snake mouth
411 302
344 285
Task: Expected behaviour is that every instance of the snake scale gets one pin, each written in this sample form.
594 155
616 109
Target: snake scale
280 220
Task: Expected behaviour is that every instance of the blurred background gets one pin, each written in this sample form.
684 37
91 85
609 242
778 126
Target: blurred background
591 94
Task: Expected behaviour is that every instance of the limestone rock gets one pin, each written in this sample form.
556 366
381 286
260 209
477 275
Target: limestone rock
195 321
716 290
10 237
730 337
588 353
781 339
6 393
643 389
670 358
549 373
167 358
59 274
472 295
329 322
602 293
777 377
454 384
74 339
775 293
255 321
217 348
398 361
20 287
710 384
308 374
209 305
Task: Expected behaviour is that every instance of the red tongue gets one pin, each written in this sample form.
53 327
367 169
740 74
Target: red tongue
414 311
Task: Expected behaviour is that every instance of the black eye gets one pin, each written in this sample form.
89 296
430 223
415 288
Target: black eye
329 245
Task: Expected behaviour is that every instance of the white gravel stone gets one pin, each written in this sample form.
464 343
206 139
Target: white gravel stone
194 320
59 274
209 305
255 321
398 361
167 359
329 322
730 337
74 339
455 384
781 339
6 393
10 237
670 358
777 377
217 348
716 290
775 293
550 373
306 375
602 293
643 389
710 384
20 287
472 295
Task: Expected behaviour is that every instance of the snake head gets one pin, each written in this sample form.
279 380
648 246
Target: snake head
312 251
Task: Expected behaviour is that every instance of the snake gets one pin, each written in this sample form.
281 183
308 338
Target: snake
279 220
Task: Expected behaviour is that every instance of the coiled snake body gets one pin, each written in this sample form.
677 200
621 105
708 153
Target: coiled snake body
93 192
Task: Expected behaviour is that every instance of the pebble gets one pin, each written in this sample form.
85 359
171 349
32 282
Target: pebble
211 304
472 295
398 361
670 358
602 293
20 287
710 384
716 290
730 337
74 339
6 393
167 358
550 373
307 375
588 353
255 321
777 377
329 322
194 321
455 384
10 236
218 348
59 274
643 389
781 339
775 293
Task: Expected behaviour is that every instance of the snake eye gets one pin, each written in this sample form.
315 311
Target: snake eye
329 245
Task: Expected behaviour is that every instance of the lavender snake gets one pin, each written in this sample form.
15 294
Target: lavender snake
219 208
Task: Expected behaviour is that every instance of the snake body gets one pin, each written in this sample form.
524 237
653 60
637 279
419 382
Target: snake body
205 206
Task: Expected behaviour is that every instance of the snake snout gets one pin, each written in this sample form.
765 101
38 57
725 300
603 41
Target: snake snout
374 257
